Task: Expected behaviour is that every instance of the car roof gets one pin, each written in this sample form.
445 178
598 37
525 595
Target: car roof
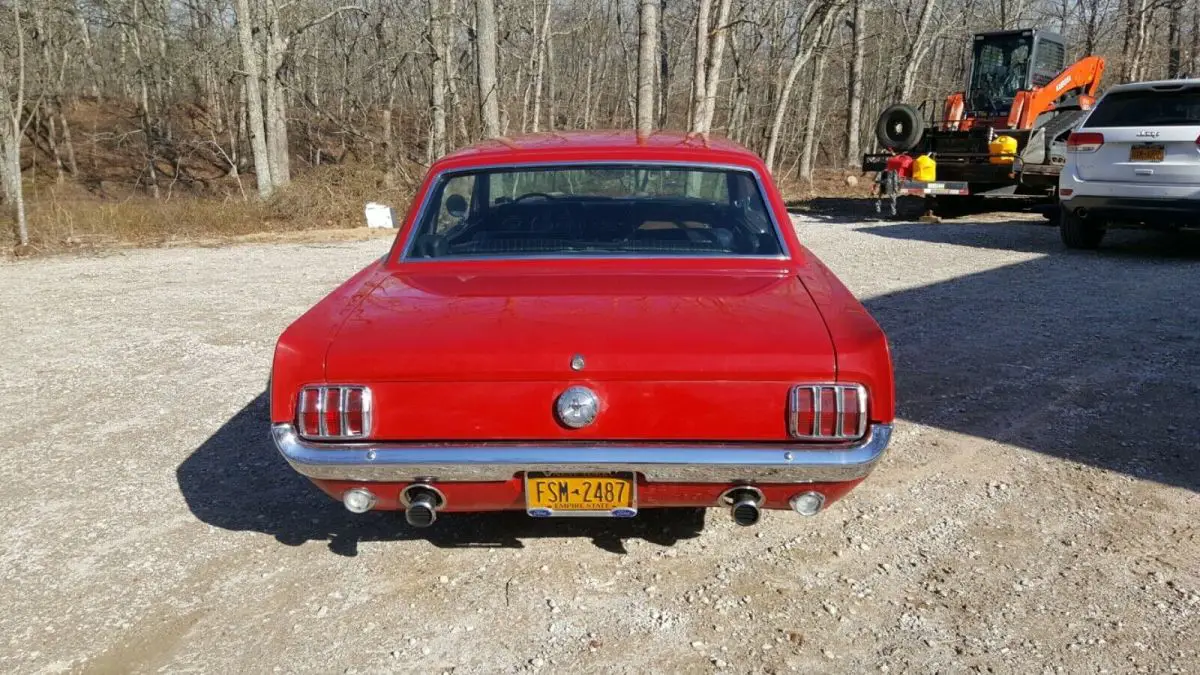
617 145
1155 85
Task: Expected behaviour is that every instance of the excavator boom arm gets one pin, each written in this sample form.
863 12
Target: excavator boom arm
1084 74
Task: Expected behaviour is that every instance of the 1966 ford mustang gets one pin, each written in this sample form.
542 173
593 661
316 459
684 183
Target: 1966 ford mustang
587 324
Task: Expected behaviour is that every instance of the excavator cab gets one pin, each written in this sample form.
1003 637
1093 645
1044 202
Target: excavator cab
1006 62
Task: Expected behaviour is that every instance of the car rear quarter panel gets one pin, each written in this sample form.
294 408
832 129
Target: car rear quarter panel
300 353
860 346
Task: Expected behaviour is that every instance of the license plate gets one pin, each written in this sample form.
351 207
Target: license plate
588 495
1147 153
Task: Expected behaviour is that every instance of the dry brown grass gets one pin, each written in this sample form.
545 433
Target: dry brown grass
65 217
329 198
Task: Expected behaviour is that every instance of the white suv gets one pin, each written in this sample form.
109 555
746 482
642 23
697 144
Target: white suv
1134 162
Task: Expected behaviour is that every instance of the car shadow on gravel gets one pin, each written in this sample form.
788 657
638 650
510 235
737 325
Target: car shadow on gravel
1088 356
237 480
1036 237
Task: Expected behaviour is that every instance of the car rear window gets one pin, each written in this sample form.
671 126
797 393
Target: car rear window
1147 108
595 211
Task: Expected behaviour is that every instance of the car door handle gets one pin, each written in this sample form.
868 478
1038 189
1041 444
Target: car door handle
1143 172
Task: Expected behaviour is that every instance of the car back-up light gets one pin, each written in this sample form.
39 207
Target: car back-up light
331 412
827 412
1084 141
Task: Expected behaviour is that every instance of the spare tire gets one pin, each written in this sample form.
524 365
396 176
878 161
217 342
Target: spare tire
900 127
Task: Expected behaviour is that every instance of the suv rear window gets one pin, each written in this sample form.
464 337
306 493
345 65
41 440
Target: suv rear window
600 210
1147 108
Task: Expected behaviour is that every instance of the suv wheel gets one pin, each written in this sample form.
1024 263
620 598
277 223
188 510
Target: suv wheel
1079 233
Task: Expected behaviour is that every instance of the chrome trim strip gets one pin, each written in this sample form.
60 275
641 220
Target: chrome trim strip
816 427
406 257
839 405
666 462
322 427
343 416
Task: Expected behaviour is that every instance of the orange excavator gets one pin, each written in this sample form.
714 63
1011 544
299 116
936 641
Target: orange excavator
1004 135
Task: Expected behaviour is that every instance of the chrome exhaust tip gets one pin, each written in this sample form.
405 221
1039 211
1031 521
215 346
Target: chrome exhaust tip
421 505
744 505
746 513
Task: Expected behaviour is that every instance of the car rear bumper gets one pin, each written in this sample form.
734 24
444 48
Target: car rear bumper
666 463
1144 210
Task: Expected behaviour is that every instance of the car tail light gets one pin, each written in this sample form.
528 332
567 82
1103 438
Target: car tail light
1084 141
334 412
827 412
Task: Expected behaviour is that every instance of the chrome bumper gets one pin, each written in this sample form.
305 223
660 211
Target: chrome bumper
665 462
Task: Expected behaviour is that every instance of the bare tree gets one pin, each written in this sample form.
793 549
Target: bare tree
257 128
710 49
1174 38
647 52
918 46
437 84
543 39
485 43
858 41
817 16
820 58
12 128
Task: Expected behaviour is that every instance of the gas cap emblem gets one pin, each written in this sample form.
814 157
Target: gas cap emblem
577 407
577 362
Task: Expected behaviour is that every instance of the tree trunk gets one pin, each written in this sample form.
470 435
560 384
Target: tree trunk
664 69
712 75
276 121
1194 65
437 89
858 41
254 101
485 44
698 65
807 153
12 106
539 73
647 52
1174 40
916 52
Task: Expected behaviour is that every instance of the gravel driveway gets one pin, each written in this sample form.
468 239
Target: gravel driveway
1039 509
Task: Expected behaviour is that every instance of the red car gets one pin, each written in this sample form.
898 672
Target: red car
587 324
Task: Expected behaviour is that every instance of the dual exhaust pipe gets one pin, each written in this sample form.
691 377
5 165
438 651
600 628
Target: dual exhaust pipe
421 503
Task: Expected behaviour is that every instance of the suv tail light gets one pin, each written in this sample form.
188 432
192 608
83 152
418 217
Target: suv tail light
827 412
334 412
1084 141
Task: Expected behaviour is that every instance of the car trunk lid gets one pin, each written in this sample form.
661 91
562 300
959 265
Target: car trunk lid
674 355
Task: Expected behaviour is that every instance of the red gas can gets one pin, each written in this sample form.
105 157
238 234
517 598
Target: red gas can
901 165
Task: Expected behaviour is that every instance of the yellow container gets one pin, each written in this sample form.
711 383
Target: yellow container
1003 150
924 169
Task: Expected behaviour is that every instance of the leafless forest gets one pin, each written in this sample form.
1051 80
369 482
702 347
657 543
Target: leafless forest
156 101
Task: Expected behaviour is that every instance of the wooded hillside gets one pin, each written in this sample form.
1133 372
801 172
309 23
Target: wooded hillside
162 98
